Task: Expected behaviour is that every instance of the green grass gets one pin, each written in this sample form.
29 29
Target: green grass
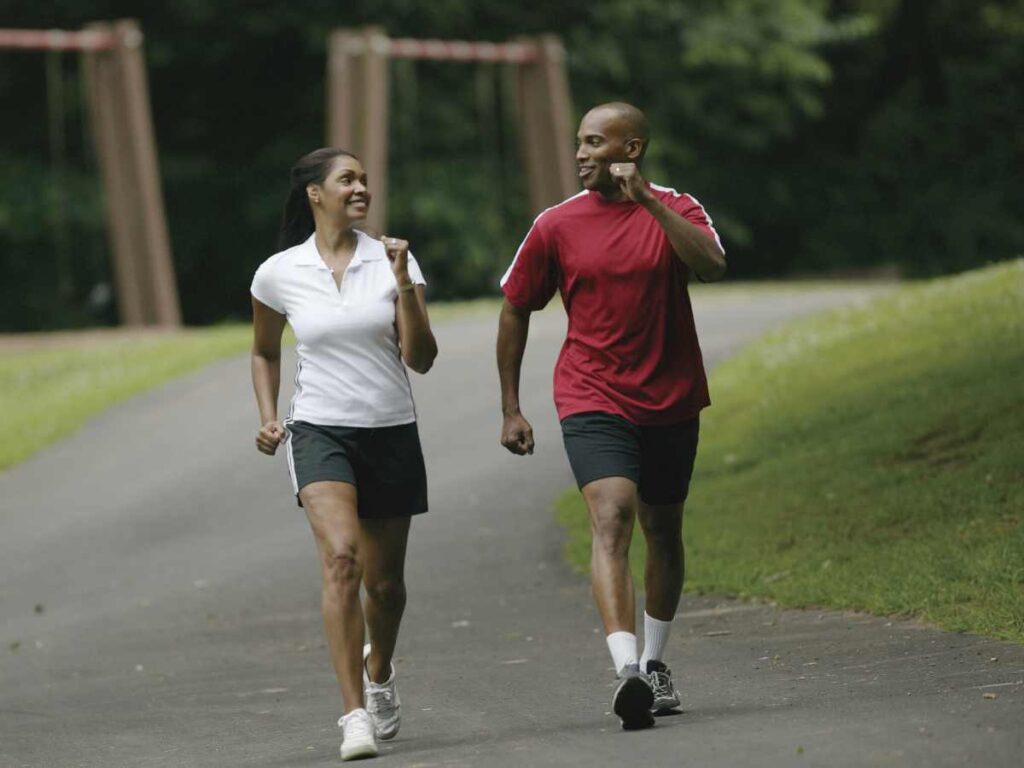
49 387
48 392
869 459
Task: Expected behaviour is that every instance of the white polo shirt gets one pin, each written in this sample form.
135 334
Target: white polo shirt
350 371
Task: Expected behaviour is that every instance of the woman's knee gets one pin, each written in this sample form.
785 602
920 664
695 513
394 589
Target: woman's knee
341 565
387 592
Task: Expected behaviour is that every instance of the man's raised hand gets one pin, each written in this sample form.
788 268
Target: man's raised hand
632 184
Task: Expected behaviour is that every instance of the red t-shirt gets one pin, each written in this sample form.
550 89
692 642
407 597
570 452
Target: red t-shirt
631 347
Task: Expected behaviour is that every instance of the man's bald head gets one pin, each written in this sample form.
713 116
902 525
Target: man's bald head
622 121
625 116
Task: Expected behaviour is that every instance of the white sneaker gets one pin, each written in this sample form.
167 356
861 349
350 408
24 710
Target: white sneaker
359 736
382 701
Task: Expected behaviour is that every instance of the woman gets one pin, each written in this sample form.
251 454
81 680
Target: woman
358 310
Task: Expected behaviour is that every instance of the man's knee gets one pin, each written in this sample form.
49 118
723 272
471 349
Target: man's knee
662 527
611 523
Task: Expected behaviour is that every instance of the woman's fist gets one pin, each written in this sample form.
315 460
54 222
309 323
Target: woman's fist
269 437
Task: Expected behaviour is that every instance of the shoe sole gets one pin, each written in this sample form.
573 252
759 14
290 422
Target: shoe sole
632 704
361 752
665 706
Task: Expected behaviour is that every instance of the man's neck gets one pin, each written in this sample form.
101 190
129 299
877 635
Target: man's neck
613 195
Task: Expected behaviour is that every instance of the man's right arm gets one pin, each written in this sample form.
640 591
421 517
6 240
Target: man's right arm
513 329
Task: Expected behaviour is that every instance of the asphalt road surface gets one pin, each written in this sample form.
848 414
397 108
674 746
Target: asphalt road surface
159 605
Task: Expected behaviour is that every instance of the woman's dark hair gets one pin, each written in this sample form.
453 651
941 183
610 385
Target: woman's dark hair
297 221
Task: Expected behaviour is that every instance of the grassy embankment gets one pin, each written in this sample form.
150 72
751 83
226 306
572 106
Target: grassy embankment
52 384
869 459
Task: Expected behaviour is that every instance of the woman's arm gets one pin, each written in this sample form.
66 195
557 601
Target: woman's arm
267 326
414 335
419 348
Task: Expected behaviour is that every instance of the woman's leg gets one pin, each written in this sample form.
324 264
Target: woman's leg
331 509
383 547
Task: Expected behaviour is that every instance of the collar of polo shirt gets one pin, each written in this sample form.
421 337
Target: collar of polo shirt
367 249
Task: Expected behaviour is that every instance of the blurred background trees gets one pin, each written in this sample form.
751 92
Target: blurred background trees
824 136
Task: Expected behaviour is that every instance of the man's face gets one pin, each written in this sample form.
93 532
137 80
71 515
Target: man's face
601 141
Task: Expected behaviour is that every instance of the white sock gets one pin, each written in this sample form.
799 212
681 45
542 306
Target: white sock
655 639
622 646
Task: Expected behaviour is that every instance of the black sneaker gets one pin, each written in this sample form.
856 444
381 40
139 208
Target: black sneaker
633 698
666 698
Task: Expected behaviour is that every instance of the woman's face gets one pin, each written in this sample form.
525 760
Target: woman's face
343 193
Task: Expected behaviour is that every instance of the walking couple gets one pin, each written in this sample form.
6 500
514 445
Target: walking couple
629 386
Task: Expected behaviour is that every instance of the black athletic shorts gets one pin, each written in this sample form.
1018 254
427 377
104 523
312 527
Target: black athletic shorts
659 459
385 464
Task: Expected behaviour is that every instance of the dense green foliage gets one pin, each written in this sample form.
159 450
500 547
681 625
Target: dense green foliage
877 464
822 134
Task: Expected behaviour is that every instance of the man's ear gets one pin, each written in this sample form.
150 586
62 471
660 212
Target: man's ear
634 149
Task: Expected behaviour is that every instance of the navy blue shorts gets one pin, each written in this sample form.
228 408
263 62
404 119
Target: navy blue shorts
385 464
659 459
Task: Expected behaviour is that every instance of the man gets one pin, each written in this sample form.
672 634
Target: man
629 382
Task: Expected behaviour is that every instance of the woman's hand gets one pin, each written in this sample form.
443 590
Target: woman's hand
269 437
398 254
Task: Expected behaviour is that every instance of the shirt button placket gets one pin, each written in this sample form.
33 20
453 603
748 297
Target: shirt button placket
345 288
333 286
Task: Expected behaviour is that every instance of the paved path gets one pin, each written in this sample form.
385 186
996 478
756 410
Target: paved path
159 606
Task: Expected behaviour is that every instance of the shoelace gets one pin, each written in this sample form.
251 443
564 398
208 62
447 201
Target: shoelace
661 683
380 699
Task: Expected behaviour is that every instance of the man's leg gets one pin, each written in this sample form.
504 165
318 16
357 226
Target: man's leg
662 525
666 465
612 502
604 452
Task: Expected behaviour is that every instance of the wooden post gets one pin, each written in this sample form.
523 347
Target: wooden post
101 79
563 124
357 108
156 240
122 129
374 151
343 77
547 128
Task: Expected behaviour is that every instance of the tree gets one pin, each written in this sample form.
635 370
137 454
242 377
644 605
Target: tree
820 135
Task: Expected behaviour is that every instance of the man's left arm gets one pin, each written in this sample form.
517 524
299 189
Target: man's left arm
692 245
